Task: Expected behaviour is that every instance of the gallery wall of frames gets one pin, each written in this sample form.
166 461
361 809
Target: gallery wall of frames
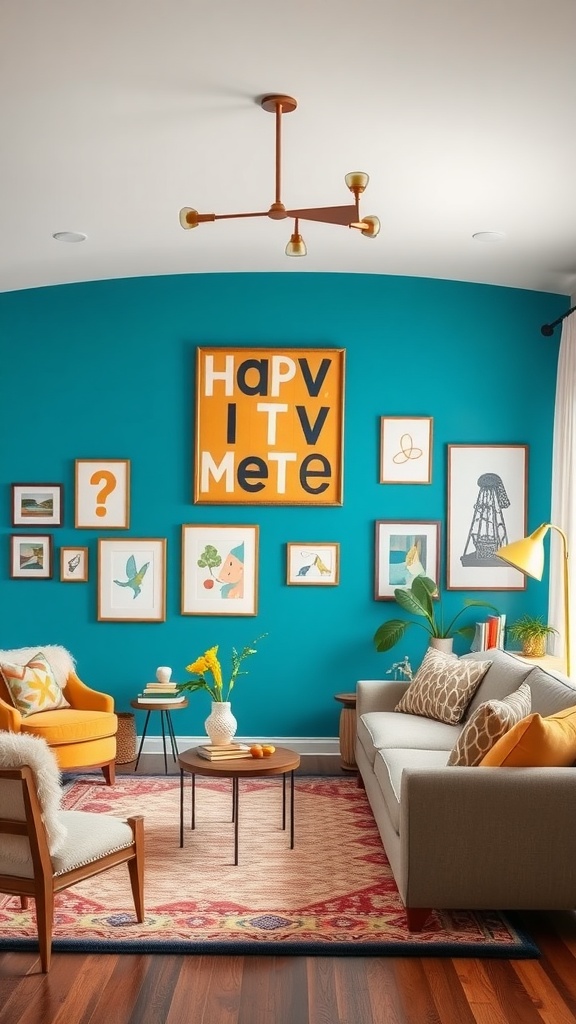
293 452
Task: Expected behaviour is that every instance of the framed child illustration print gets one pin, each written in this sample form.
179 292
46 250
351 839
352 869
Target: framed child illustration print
219 570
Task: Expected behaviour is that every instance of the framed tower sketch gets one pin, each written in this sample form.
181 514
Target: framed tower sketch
487 488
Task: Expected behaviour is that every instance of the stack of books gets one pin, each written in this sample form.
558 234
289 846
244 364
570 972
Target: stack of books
223 752
489 634
165 693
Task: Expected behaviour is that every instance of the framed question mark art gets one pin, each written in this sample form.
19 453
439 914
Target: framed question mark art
102 494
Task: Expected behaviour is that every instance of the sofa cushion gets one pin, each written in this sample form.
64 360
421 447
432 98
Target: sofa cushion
32 687
550 693
388 768
442 687
537 742
503 677
489 722
378 729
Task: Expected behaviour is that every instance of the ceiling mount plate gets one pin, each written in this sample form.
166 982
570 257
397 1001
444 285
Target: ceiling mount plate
270 103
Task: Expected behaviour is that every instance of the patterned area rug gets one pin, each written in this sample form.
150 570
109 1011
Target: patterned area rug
333 894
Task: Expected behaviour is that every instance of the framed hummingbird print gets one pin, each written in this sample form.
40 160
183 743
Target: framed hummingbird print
311 564
404 550
132 580
73 565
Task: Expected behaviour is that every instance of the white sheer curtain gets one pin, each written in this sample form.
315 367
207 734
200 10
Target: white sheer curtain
563 510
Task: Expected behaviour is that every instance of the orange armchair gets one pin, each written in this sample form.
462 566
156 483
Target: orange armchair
81 736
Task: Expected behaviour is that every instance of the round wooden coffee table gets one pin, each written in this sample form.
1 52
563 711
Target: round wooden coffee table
282 762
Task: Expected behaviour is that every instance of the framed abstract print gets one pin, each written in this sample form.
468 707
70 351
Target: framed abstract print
406 449
404 550
31 557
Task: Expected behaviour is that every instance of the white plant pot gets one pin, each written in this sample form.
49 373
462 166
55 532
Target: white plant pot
220 725
442 643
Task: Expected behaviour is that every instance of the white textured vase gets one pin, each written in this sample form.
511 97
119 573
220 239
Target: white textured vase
442 643
220 725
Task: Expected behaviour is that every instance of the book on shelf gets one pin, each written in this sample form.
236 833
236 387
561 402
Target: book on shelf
224 752
489 634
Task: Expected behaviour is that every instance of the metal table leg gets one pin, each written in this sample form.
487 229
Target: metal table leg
236 802
142 741
164 742
284 800
181 808
291 810
172 736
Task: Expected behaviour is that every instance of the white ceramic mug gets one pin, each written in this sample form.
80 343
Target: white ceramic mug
163 674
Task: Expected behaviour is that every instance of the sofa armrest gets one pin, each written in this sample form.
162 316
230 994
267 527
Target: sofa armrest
488 837
378 694
10 717
83 698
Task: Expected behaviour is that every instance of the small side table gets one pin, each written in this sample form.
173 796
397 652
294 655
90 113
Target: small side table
164 709
347 730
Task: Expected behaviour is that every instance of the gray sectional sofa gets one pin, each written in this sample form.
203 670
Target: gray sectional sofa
460 837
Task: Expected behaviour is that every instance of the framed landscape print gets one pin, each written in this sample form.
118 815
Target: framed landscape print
102 494
132 580
406 449
31 557
269 426
404 550
219 570
313 565
73 565
37 505
487 488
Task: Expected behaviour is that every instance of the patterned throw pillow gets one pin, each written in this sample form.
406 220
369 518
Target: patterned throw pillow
443 687
489 722
32 687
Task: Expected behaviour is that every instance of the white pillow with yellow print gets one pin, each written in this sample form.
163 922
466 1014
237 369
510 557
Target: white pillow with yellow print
32 687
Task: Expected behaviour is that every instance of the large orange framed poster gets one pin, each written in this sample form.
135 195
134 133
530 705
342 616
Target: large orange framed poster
269 426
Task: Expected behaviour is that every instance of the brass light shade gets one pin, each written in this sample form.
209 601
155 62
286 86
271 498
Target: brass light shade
296 246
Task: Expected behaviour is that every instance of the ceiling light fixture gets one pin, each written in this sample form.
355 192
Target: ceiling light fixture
347 216
69 236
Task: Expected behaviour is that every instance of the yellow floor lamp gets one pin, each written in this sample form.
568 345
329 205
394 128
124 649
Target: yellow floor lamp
528 556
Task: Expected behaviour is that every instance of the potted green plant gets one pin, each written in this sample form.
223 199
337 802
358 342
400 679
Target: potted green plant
419 600
532 633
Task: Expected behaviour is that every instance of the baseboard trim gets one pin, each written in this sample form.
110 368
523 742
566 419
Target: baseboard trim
317 745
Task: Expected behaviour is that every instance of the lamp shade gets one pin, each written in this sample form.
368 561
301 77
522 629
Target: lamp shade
527 554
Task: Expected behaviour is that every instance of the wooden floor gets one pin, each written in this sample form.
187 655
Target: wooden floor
134 989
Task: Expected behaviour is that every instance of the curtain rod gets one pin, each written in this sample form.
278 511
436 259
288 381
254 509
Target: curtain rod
548 329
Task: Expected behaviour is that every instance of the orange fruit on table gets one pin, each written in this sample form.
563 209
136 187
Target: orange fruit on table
268 749
256 750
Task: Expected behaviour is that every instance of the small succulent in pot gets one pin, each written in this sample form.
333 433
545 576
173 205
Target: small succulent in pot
532 632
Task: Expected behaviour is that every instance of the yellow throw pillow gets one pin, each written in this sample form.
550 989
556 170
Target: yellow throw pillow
32 687
536 742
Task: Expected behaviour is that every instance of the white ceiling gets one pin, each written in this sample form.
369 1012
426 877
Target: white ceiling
116 113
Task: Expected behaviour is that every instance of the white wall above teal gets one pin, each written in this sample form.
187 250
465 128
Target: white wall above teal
106 370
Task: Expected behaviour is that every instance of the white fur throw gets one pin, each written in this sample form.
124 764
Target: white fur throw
60 660
17 749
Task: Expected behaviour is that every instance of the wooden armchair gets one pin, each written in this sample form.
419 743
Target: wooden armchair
43 849
82 735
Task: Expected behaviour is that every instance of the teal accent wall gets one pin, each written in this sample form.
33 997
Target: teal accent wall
106 370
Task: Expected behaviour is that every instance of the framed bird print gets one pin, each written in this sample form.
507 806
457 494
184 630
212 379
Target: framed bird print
310 564
405 550
132 580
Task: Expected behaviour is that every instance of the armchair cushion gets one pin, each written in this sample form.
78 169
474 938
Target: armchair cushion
32 687
71 726
16 750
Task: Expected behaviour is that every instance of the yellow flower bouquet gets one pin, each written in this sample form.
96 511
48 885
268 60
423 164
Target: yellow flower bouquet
208 662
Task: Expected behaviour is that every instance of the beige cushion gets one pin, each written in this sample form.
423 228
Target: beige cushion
487 724
33 687
442 687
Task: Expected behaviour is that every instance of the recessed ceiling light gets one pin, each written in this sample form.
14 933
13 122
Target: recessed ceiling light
489 236
69 236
